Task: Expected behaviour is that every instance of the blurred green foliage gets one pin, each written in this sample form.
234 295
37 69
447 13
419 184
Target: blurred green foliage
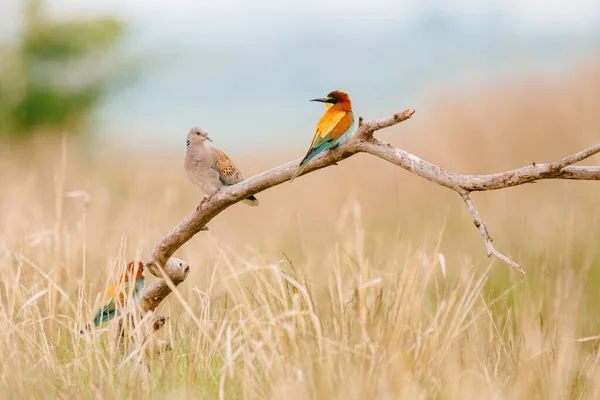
55 72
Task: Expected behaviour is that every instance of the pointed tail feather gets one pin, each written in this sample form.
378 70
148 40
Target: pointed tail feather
312 153
251 201
299 170
103 315
309 156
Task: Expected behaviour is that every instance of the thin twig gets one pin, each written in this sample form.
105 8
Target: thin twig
480 225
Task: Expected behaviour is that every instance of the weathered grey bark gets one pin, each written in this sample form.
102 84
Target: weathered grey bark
362 141
175 271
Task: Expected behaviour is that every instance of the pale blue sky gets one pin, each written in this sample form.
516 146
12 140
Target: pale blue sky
246 69
531 14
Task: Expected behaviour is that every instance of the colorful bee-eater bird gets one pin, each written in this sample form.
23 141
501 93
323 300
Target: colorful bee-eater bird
209 168
333 128
117 293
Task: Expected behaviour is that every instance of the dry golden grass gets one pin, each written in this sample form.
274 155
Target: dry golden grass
376 286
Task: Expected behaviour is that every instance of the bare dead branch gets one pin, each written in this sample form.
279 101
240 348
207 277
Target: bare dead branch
362 141
580 173
470 183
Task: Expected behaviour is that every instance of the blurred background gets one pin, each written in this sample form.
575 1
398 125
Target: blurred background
96 98
133 71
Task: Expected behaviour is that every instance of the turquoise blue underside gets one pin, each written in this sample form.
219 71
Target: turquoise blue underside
109 311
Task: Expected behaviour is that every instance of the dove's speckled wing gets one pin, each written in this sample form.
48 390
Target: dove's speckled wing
227 170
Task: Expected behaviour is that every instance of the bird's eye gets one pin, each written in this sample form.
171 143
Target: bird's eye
198 133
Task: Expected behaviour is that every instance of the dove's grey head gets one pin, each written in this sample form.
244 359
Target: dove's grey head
197 136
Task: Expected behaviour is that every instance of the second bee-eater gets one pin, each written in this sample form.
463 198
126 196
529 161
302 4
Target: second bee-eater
335 126
119 291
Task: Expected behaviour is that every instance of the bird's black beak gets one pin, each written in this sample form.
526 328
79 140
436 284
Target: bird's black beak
209 139
322 100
